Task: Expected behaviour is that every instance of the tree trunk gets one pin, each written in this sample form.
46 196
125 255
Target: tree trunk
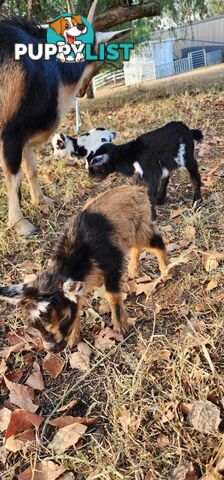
121 14
29 8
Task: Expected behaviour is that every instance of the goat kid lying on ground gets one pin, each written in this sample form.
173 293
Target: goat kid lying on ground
83 146
153 156
92 251
34 97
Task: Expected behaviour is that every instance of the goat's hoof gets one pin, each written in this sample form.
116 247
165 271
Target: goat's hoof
44 203
160 201
25 229
197 202
132 273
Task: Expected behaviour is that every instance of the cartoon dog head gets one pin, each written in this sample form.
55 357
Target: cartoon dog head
69 27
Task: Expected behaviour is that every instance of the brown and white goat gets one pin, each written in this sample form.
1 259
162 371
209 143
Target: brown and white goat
91 252
34 97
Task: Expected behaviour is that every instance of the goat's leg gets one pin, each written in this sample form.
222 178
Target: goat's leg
13 183
195 180
162 191
152 193
30 170
157 246
113 295
74 336
133 266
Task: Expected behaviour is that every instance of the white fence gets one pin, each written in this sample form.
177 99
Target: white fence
111 78
135 72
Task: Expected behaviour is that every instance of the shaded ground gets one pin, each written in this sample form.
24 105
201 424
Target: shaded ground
176 351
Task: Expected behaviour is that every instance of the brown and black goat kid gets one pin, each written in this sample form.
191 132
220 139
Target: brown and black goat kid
91 252
153 156
34 97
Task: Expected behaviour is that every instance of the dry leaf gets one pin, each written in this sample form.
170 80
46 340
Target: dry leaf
210 260
205 417
157 309
45 470
65 420
149 475
211 285
176 213
66 437
144 288
106 339
68 406
81 359
172 247
14 445
163 440
35 380
22 420
21 396
6 352
3 455
91 315
169 413
184 471
53 364
167 228
128 422
3 367
5 415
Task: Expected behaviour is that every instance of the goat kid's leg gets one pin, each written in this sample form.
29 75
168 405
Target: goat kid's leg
157 246
113 295
30 170
119 317
74 336
16 219
195 180
152 193
162 191
133 266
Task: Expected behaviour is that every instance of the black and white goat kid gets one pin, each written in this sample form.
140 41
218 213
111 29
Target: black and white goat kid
83 146
153 156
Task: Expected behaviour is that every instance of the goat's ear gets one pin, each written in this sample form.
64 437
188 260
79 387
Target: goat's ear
114 134
73 289
12 293
105 37
99 160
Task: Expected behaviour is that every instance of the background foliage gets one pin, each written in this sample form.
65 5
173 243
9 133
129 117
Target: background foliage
172 11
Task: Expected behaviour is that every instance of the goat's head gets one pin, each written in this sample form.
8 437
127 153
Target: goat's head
51 305
100 163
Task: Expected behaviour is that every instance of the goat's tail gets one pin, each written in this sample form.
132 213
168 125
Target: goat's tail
197 135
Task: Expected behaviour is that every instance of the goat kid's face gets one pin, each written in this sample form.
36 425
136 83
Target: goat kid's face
100 165
51 305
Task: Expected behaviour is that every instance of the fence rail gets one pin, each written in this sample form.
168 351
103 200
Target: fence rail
108 78
137 72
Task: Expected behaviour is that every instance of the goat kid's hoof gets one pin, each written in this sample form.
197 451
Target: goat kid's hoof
25 229
45 204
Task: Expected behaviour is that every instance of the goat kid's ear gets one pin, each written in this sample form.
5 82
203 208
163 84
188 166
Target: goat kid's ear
114 134
73 289
12 293
99 160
